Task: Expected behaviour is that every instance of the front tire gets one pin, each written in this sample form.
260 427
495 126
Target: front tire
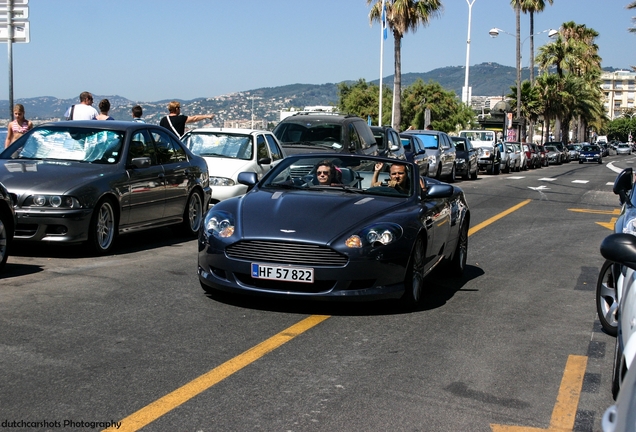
414 281
193 215
606 304
5 238
453 175
102 228
458 261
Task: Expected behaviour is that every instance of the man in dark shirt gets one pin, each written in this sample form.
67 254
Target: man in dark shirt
175 121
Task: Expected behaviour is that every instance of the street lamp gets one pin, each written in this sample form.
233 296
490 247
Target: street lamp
494 32
466 93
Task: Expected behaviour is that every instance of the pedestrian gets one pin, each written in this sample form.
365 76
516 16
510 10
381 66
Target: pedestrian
175 121
17 127
104 107
83 110
137 112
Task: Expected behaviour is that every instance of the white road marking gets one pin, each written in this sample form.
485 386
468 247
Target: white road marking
547 179
580 181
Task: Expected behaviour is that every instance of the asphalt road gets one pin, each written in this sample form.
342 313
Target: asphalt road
132 337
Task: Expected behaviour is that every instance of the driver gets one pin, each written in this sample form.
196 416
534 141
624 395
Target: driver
399 177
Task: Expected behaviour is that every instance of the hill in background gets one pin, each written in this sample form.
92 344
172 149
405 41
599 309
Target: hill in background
486 79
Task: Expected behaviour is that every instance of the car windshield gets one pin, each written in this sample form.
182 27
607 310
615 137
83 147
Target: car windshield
430 141
589 148
68 143
478 135
551 148
327 135
350 174
217 144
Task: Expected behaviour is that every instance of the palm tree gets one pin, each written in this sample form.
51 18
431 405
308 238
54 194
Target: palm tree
402 16
632 5
531 7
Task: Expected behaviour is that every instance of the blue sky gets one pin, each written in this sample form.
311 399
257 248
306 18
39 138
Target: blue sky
150 50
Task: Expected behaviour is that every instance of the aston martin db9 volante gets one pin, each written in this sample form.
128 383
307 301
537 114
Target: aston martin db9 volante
335 227
88 181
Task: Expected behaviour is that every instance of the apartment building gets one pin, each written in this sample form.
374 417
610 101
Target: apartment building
618 88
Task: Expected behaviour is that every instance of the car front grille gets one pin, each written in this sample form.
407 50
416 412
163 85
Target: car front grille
286 253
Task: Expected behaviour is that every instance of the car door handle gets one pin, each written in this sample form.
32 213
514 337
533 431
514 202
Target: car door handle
428 222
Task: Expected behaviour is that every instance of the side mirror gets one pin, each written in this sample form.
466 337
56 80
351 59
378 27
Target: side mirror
248 178
620 248
264 161
623 184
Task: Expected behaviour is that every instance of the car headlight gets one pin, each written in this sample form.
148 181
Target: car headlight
460 160
219 224
221 181
55 201
375 235
485 153
432 159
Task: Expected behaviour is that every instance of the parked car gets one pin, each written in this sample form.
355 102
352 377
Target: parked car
590 153
554 155
466 158
562 148
532 158
623 149
441 152
389 142
538 151
7 225
415 152
285 237
231 151
573 150
488 156
543 155
621 416
310 132
505 165
515 155
88 181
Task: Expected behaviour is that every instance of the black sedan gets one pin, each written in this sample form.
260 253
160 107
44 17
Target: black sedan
88 181
415 152
7 224
374 234
467 163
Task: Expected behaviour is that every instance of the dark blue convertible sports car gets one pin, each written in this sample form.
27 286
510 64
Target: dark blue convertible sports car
335 227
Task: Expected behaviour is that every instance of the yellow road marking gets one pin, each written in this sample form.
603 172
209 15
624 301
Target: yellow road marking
609 225
181 395
613 212
564 412
495 218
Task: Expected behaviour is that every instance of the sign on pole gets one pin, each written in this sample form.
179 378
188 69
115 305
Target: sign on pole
15 2
20 32
20 13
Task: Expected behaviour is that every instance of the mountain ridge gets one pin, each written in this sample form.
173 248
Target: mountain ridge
486 79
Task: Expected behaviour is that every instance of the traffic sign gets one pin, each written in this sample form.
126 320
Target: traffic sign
20 13
20 32
15 2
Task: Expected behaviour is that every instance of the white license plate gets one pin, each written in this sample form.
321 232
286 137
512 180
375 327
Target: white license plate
293 274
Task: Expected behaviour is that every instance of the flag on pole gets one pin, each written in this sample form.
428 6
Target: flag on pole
384 29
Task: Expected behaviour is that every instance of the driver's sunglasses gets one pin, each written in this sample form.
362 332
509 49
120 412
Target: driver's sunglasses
322 172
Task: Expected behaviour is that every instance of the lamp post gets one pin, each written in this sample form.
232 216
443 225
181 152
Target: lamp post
494 32
466 93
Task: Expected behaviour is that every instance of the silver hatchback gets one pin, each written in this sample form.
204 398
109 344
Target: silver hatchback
441 152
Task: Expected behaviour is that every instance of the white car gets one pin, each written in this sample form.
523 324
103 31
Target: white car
623 149
229 152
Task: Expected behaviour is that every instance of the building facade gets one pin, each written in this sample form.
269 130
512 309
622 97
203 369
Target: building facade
618 89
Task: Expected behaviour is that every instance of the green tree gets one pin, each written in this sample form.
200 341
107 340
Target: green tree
361 99
632 5
448 113
402 16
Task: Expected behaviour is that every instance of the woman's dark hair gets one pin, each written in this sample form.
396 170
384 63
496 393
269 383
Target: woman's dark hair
335 175
104 105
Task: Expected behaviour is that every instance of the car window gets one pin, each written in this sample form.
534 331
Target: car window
69 143
459 145
274 149
261 147
354 138
167 149
430 141
365 135
141 145
220 144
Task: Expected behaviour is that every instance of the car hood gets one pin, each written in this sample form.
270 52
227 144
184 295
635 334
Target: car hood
309 215
228 167
57 177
